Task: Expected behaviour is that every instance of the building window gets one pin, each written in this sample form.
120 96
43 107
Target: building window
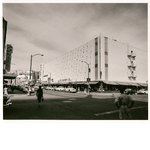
106 65
106 53
96 65
96 53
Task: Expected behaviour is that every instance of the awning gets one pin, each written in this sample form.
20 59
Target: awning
5 81
64 83
54 83
134 84
110 82
123 83
143 84
90 82
9 76
80 83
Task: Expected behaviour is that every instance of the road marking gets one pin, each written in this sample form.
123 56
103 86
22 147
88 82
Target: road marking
115 111
72 99
67 101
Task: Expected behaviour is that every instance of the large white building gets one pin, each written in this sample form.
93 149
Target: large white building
107 60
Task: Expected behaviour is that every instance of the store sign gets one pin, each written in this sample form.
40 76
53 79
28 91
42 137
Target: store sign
64 80
8 57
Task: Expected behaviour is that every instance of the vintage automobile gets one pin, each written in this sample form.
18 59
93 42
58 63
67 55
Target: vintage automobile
60 88
130 91
6 101
142 91
72 90
49 88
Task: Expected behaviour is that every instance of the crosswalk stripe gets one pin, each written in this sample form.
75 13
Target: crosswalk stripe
115 111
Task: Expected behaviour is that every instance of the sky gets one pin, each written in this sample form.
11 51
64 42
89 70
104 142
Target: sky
54 29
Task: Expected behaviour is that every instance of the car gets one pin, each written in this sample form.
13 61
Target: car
36 87
142 91
61 88
130 91
24 89
73 90
47 88
51 88
6 101
54 88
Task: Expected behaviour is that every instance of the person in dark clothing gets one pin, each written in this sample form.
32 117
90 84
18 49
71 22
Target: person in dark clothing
12 88
39 95
124 103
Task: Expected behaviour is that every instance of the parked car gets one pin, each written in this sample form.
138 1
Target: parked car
54 88
73 90
24 89
49 88
36 87
130 91
142 91
6 101
61 88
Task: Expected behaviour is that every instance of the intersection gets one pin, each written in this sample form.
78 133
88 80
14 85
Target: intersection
71 106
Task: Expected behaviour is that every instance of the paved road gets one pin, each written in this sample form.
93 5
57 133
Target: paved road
71 106
48 94
143 98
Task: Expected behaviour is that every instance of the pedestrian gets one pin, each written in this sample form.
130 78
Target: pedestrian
124 102
89 89
5 90
12 88
39 95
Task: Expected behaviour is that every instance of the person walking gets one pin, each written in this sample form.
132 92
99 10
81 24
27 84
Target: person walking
39 95
12 88
124 103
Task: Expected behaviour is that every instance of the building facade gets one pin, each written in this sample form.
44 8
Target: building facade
41 73
4 39
101 59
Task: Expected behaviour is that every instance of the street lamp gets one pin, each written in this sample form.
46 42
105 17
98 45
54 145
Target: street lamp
48 78
88 74
31 62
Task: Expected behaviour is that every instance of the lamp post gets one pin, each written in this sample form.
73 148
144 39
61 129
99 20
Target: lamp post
48 78
31 62
88 74
31 69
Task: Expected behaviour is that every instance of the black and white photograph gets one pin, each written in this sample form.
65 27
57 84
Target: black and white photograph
75 62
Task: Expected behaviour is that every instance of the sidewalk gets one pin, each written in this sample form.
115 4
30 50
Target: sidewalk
16 91
102 94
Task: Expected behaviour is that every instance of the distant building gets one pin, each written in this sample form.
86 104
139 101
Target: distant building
8 57
34 75
7 54
4 38
41 73
110 63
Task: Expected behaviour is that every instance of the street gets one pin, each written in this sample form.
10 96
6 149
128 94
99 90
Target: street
71 106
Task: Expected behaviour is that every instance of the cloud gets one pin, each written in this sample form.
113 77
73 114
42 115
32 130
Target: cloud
57 28
46 45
